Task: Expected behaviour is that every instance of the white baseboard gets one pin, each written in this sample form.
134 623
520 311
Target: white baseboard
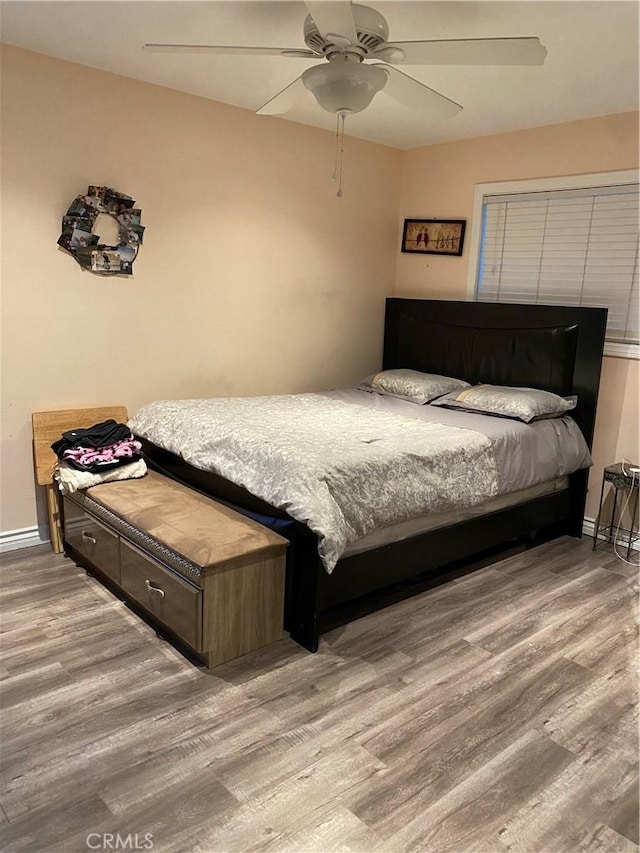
589 524
26 537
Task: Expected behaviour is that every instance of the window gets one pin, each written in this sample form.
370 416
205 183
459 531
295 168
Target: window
563 245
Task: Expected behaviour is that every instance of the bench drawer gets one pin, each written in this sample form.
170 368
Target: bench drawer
174 602
92 539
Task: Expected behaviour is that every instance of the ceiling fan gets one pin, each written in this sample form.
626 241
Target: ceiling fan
349 35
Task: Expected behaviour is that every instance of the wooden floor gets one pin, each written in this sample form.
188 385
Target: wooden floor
495 713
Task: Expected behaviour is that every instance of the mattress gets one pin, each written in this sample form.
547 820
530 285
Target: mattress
414 526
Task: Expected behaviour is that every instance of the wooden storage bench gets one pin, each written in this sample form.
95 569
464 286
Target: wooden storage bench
210 576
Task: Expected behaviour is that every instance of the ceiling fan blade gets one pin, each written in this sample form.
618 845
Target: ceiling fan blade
415 95
527 50
333 17
231 49
285 100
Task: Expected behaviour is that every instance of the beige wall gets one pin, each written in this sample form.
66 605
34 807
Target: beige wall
439 181
254 277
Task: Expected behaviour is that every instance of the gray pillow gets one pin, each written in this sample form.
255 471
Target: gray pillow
411 385
524 404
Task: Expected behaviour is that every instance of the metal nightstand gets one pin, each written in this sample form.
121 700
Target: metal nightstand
620 481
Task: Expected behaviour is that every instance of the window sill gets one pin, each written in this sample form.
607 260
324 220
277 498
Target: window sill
619 350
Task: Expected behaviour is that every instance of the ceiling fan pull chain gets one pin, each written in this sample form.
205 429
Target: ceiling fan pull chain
335 158
341 122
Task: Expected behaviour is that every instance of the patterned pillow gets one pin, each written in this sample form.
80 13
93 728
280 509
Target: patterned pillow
412 385
524 404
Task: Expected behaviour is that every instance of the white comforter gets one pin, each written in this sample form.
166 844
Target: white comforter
342 469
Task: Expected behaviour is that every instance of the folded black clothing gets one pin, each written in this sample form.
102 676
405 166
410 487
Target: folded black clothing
99 435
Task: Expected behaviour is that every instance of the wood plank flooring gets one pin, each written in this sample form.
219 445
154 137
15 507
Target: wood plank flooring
495 713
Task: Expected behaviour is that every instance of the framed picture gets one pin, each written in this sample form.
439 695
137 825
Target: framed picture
433 236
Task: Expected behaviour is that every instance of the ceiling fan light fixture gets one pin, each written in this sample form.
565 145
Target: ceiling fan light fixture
344 87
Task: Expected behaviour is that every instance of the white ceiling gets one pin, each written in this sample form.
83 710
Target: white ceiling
591 67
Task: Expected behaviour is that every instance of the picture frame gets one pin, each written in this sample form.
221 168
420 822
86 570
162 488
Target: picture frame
433 236
78 239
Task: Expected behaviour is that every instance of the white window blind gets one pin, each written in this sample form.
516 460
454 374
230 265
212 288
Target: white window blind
565 247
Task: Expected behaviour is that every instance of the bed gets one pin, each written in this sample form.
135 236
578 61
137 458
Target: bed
556 349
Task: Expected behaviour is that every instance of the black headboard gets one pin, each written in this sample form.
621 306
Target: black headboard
557 348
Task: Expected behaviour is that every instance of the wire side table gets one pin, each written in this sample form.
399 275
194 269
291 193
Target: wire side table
619 481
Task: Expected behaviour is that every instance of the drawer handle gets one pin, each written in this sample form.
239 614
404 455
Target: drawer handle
155 589
88 537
